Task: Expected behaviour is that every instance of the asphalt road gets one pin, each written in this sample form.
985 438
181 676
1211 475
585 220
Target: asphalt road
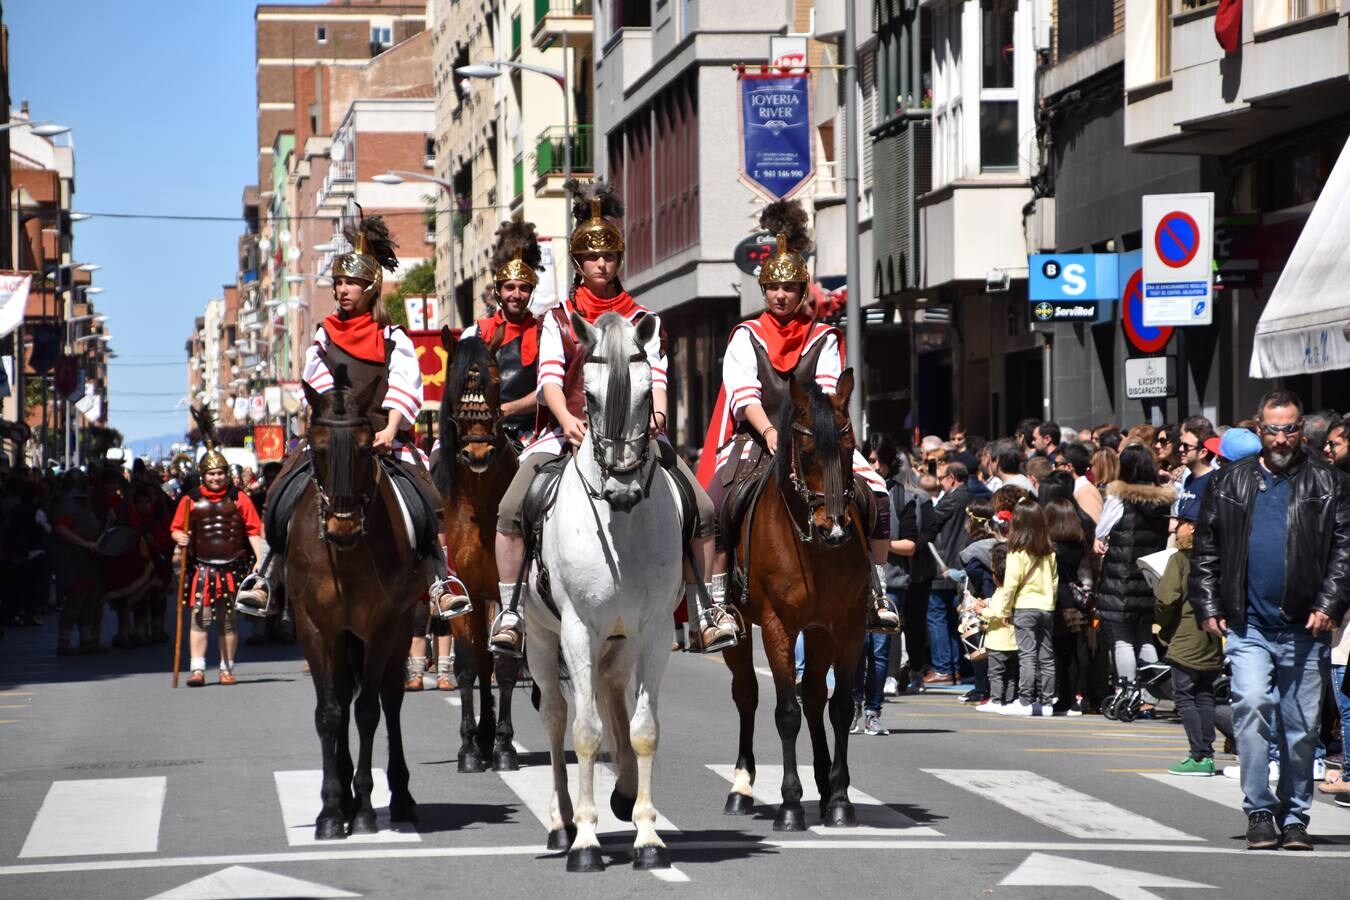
112 785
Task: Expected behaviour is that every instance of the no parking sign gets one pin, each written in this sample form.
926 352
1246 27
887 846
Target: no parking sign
1178 259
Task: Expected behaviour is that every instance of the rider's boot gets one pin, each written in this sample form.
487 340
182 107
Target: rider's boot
715 628
508 629
449 596
882 615
414 669
256 596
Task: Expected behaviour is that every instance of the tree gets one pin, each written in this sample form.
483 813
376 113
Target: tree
419 280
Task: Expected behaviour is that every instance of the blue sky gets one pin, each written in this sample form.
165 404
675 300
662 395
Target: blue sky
159 96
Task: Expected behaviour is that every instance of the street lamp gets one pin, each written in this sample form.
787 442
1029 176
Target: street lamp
41 129
397 176
493 69
106 338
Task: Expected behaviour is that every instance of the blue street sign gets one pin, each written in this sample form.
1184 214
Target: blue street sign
1073 276
777 156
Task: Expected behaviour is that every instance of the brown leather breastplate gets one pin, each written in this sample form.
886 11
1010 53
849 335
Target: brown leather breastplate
773 384
218 532
360 374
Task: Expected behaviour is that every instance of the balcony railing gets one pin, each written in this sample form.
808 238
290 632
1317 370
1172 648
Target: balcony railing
518 181
550 150
543 8
342 171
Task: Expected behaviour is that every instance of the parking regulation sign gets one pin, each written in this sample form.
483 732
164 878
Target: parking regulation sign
1178 259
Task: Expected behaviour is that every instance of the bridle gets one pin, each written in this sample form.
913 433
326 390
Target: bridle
814 500
601 442
497 438
327 508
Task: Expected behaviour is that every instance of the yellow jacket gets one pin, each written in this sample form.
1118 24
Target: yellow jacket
1039 582
999 635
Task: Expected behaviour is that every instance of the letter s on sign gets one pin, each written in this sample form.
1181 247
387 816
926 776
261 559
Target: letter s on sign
1074 282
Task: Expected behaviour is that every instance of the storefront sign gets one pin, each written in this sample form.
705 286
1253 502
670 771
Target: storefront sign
777 157
1178 259
1066 287
1150 377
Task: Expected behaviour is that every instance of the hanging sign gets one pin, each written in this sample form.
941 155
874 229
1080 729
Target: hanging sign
1065 287
269 442
1178 259
777 157
422 310
13 300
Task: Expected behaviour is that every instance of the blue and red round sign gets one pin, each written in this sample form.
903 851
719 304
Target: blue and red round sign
1177 239
1145 338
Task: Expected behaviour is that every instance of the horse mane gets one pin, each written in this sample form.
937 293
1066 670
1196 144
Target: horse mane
615 347
823 430
468 351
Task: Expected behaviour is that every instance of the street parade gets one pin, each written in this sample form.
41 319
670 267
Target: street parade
532 488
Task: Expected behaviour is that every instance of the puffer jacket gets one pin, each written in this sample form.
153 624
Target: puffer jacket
1317 545
1124 595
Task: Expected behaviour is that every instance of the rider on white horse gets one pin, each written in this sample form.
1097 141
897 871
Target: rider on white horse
762 355
597 248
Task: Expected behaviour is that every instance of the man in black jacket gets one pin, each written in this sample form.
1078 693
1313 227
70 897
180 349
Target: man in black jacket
1271 570
949 539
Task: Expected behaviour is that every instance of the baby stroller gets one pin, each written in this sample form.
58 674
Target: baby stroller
1125 704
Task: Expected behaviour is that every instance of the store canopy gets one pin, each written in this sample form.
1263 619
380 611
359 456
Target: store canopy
1305 326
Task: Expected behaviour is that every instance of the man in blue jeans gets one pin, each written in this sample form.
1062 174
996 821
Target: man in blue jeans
1271 571
949 539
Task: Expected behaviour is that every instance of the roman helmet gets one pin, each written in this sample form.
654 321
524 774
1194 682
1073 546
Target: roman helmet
372 250
212 458
594 205
517 255
787 221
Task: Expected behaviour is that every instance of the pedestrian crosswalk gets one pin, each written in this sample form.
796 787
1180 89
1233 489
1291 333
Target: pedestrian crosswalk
128 816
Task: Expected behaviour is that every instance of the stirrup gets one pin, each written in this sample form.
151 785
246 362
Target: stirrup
725 633
508 635
883 617
449 598
254 597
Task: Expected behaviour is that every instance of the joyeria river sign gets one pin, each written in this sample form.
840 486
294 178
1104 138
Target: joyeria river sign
776 134
1178 250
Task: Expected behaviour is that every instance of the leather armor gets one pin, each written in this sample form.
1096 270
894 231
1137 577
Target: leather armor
360 374
517 380
774 389
218 531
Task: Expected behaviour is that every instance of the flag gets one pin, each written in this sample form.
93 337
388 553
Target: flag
13 301
1228 25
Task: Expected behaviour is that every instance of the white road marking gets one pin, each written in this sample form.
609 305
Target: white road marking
875 819
1059 807
1043 870
298 792
343 853
453 700
98 816
672 875
534 786
1327 818
241 883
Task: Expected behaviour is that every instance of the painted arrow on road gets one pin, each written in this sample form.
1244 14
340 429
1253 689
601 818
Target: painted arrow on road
1044 870
240 882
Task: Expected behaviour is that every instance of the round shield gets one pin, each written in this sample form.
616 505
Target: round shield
118 541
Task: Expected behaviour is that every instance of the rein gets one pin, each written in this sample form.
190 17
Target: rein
837 498
340 475
601 442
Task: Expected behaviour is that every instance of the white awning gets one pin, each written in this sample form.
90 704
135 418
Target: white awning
1305 326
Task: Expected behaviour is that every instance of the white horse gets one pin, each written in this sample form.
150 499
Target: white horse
611 547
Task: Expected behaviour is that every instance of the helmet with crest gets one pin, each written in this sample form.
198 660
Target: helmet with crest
595 206
517 255
786 220
212 458
372 251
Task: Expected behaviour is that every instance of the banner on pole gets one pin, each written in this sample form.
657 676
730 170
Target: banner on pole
432 359
269 443
13 301
777 146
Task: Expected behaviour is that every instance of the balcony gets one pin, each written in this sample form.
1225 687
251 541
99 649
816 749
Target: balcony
515 37
556 19
550 156
1188 96
338 185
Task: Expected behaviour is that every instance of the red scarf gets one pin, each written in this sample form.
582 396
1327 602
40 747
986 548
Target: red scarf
529 343
592 307
359 336
785 343
214 496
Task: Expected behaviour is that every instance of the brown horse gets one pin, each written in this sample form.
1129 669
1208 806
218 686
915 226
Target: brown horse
353 582
805 546
476 464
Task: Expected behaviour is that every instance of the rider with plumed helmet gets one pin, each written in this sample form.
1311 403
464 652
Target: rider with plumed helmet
596 246
216 524
357 345
763 355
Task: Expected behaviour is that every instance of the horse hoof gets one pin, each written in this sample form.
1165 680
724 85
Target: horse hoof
790 818
405 811
560 839
505 761
329 830
840 815
651 858
364 823
738 805
585 859
471 763
621 806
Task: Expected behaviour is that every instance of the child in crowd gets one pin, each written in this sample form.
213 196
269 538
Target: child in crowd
979 581
1031 571
1000 642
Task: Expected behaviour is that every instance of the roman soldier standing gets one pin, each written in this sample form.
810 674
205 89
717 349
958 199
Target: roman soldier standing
216 524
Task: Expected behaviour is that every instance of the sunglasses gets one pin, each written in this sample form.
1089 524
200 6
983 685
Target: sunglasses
1162 440
1295 428
1189 447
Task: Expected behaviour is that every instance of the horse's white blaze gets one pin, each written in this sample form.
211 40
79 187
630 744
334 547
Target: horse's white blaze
614 567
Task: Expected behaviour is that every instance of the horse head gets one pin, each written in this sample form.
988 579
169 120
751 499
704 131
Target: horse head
471 416
618 382
340 438
815 464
